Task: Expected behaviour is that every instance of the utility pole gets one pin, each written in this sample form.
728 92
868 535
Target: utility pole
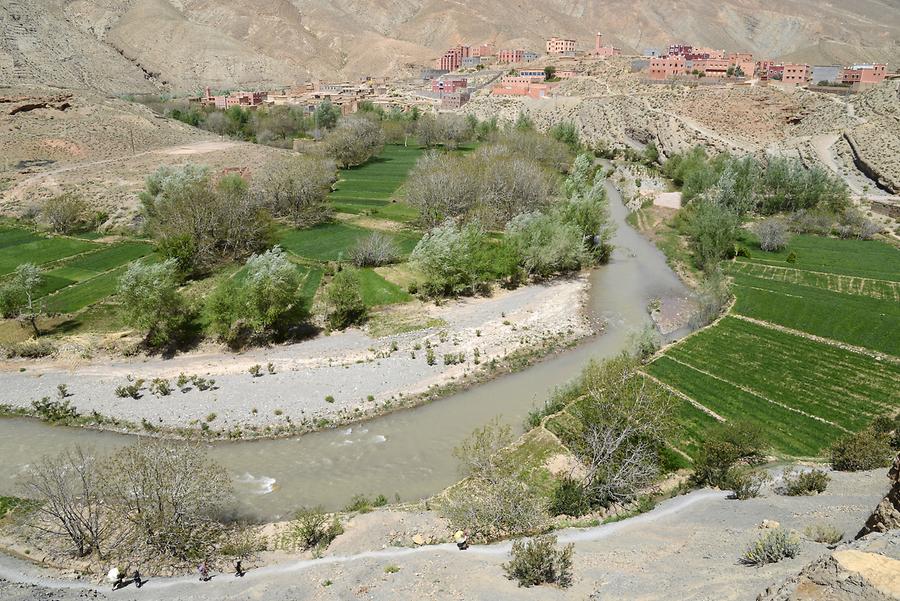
131 131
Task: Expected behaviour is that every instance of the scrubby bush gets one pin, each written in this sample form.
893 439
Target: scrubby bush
374 250
538 561
442 187
567 133
345 305
545 245
712 229
645 342
64 213
151 302
569 498
773 546
725 446
354 141
454 260
810 222
864 450
745 482
804 483
54 411
827 534
772 234
312 529
710 298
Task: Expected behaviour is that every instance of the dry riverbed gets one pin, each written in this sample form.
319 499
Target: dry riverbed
328 380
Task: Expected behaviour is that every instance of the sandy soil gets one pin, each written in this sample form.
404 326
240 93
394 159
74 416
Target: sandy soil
357 373
687 548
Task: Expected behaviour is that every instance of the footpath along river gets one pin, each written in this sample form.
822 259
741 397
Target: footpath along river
407 453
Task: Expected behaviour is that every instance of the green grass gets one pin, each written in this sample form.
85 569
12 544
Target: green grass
92 264
30 248
375 290
333 241
863 258
372 188
80 295
851 318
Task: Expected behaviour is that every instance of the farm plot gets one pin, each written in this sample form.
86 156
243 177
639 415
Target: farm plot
862 258
857 320
843 284
788 432
371 188
333 241
375 290
19 248
90 265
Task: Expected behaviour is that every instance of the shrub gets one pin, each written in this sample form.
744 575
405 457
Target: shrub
792 257
712 228
311 528
773 546
538 561
359 503
744 482
824 533
772 234
374 250
30 349
805 483
64 213
725 446
645 342
54 411
865 450
345 304
132 389
544 245
569 498
151 302
453 259
160 387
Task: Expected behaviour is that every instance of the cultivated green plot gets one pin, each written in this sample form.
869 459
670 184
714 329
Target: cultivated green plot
858 320
80 295
333 241
92 264
375 290
371 188
692 426
788 432
11 236
844 387
864 258
40 251
844 284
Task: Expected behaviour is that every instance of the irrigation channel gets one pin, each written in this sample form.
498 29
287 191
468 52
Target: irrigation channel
406 453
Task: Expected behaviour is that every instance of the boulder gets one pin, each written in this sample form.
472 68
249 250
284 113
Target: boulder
887 514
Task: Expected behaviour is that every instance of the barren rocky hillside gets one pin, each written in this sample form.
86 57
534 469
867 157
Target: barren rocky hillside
136 45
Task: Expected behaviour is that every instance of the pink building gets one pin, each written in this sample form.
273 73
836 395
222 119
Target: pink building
244 99
796 74
454 101
864 75
560 46
449 86
486 49
452 59
511 56
566 74
521 86
680 49
666 67
601 50
711 67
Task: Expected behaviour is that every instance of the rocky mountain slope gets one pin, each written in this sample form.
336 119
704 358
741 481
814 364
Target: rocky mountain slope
138 45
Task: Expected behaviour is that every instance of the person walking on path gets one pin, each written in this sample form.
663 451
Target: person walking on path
116 576
203 569
239 569
136 579
462 541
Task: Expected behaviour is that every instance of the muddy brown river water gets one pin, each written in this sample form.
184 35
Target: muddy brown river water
406 453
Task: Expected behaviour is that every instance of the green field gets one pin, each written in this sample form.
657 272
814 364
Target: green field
90 265
375 290
18 246
371 188
804 392
333 241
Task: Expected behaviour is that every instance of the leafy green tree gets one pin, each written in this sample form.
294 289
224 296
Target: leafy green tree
18 296
567 133
713 230
546 245
151 302
345 304
266 301
453 259
549 73
326 115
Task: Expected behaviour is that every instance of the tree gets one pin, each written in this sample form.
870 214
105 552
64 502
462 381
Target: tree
546 245
150 300
201 223
64 213
267 300
549 73
345 304
441 187
453 259
457 130
374 250
430 131
354 142
510 186
772 234
326 115
296 187
170 494
712 229
567 133
626 421
71 508
18 295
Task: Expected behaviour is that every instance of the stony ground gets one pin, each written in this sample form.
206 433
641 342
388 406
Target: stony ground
687 548
338 377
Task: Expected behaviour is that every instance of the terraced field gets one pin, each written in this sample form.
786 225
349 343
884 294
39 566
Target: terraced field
372 188
801 382
333 241
18 245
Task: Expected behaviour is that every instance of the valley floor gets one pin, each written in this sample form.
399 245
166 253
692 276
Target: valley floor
327 380
687 548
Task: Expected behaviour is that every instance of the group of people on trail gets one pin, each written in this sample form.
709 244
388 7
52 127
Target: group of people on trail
117 576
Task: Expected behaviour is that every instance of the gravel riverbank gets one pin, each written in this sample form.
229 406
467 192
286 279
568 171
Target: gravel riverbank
331 379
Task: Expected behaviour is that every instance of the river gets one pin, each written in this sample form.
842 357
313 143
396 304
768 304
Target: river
406 453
